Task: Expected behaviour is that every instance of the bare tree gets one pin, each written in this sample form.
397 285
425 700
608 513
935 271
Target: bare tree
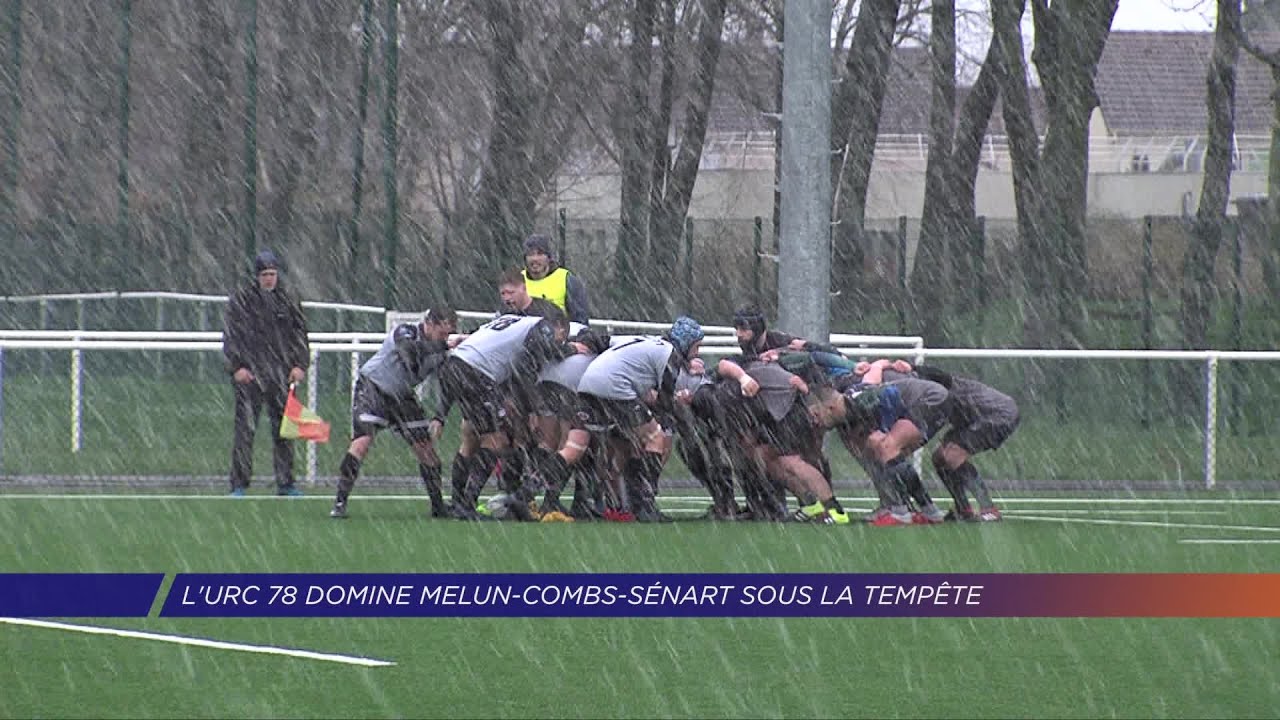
1197 265
855 122
1050 183
675 190
942 278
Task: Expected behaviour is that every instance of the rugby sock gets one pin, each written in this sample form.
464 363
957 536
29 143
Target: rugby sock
348 471
905 476
720 485
482 466
954 486
431 481
555 472
642 479
512 470
969 478
886 485
458 476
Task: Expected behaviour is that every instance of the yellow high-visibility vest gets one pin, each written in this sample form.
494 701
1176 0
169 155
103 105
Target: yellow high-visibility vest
554 288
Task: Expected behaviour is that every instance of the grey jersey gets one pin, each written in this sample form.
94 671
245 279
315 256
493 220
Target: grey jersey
495 346
404 361
627 371
973 401
567 372
927 402
692 381
775 387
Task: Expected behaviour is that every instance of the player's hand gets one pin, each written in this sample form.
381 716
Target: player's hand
580 347
769 356
901 366
651 397
697 367
862 368
435 428
749 386
684 397
243 376
799 384
796 344
455 340
297 375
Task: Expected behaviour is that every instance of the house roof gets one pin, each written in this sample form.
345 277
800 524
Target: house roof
744 94
1154 83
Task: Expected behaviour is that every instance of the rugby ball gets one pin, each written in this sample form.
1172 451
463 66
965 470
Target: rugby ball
498 507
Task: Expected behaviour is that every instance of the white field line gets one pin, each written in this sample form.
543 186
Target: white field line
1143 523
200 642
661 498
1225 541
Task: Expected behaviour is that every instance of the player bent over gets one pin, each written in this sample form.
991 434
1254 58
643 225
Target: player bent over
385 397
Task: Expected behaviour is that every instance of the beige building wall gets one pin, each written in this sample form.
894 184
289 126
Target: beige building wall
894 192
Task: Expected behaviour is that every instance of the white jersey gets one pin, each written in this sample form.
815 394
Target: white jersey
494 348
629 370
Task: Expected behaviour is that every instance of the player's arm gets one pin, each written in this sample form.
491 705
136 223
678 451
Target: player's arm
299 350
727 368
234 341
540 347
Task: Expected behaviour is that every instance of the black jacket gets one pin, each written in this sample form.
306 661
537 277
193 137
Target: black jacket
265 332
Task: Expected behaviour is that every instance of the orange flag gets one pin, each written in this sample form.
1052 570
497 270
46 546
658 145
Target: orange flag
300 423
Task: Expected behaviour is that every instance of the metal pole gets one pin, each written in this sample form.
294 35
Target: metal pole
980 274
901 300
804 277
77 400
122 168
1211 421
390 122
758 245
251 131
562 229
1 411
1236 396
9 217
159 355
688 265
1148 322
44 325
357 171
313 395
355 373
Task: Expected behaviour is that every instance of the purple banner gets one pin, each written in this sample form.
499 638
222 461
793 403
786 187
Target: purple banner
726 595
593 595
78 594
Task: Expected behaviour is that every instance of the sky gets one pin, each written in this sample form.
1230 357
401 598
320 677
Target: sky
1164 15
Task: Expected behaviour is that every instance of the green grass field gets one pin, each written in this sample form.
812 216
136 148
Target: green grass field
641 667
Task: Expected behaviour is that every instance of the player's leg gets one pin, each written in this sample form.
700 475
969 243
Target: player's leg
368 417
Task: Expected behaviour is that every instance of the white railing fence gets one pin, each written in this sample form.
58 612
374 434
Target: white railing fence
358 343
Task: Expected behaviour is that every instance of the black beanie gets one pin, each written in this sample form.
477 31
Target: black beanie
538 244
265 260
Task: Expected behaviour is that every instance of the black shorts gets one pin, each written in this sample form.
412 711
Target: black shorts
982 434
555 400
603 415
793 434
373 410
481 404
